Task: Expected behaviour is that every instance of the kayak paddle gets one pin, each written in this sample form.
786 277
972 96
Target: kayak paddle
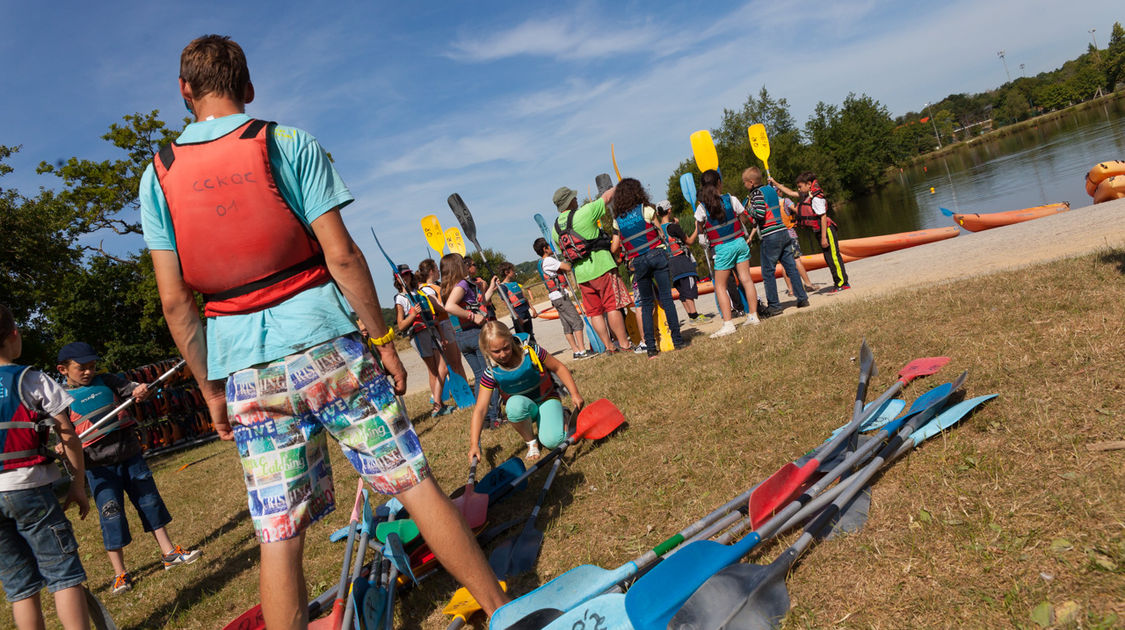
465 218
518 554
454 241
703 148
463 605
603 182
435 237
654 598
370 612
760 144
753 596
596 420
457 385
103 425
946 211
787 482
613 156
334 620
355 599
595 341
406 529
472 504
500 477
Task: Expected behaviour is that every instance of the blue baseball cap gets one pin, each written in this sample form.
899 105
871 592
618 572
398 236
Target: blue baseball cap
79 352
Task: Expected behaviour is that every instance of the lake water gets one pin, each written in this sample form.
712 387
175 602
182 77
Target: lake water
1042 164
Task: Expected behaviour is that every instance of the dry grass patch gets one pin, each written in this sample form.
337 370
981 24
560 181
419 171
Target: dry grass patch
977 528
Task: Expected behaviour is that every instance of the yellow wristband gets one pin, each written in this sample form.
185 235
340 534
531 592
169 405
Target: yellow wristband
385 339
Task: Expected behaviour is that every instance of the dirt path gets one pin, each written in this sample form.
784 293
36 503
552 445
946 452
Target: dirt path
1081 231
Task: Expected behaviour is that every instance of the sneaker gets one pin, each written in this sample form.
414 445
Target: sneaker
532 450
702 319
580 355
122 583
773 311
751 320
728 328
802 303
640 349
440 410
179 556
838 289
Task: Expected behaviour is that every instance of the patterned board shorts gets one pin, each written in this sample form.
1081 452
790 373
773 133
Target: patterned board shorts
282 413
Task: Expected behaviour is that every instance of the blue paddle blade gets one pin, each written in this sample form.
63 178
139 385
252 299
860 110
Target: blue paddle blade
687 187
946 211
542 223
395 552
595 341
921 404
948 418
498 478
459 388
565 592
393 506
604 613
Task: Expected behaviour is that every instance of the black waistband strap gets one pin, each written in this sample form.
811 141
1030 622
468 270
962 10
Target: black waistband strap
270 280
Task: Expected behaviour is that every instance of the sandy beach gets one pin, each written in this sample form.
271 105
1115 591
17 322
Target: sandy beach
1082 230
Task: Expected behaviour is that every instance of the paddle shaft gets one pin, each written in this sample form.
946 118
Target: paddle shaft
469 227
104 420
349 606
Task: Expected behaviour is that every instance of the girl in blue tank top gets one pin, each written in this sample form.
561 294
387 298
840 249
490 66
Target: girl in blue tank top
522 375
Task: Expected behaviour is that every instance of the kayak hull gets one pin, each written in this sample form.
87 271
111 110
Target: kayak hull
1101 172
1110 189
875 245
978 222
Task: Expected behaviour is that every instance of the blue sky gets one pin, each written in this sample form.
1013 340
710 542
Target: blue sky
504 102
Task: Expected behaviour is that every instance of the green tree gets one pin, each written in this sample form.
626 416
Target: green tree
1114 60
857 138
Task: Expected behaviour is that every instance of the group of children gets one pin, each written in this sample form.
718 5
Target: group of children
37 541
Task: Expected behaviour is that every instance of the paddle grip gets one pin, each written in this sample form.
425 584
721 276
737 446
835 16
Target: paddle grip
668 545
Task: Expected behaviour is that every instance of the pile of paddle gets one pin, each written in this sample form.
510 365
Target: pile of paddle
690 581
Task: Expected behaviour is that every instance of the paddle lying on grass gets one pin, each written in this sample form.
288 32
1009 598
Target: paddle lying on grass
472 504
703 148
783 485
334 620
655 597
406 529
585 582
463 605
498 479
595 341
465 218
596 420
355 599
517 555
749 596
457 385
371 613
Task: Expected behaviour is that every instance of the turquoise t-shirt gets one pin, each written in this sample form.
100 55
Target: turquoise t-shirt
586 224
310 184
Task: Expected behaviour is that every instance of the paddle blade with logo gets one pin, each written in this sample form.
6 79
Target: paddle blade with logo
464 217
760 143
434 234
454 241
703 148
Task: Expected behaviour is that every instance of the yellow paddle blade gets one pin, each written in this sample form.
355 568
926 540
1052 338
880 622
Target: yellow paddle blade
454 241
663 333
703 147
463 605
434 236
613 156
760 143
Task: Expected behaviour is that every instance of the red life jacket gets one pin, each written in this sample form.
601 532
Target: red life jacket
638 236
806 217
556 282
676 247
239 242
21 436
515 296
425 318
728 230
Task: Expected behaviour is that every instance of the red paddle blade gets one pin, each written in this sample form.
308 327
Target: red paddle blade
779 490
250 620
473 506
598 419
921 367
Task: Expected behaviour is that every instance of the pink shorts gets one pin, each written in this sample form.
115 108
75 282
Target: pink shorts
604 294
282 413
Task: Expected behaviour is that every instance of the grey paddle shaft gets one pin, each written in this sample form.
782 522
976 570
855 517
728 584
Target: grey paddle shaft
349 605
469 226
472 473
542 495
513 484
392 578
104 420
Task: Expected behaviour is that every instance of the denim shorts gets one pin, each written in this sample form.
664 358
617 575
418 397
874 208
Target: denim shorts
282 413
37 544
109 485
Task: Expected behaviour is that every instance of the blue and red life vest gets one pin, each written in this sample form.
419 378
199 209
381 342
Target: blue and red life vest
553 282
425 318
638 236
21 435
676 247
528 379
728 229
515 295
239 242
91 403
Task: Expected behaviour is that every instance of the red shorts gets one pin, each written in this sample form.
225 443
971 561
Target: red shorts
604 294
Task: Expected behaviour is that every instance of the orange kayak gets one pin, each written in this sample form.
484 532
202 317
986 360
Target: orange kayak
875 245
978 222
1110 188
1102 172
550 313
811 262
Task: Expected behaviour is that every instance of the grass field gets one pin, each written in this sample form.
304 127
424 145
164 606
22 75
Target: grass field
1007 520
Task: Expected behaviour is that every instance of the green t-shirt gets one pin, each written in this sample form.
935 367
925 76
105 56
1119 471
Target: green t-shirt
585 224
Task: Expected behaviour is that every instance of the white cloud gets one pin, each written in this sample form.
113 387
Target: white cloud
562 37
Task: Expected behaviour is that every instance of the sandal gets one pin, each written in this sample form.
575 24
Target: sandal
532 450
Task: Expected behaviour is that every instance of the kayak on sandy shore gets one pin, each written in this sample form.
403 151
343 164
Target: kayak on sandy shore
1110 188
978 222
1101 172
875 245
